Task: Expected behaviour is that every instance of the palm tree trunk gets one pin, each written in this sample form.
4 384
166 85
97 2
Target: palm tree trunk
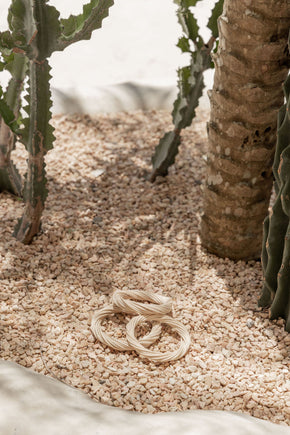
250 66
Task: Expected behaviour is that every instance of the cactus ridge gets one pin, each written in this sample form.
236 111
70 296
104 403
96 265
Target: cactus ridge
37 133
276 240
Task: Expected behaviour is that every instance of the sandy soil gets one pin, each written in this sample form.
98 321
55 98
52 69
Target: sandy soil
105 228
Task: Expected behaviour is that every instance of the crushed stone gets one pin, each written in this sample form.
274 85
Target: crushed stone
106 227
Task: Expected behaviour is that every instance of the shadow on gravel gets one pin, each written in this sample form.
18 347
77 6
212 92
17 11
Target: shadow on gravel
106 227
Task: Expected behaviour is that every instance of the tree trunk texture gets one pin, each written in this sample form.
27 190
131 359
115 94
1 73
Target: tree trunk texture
250 66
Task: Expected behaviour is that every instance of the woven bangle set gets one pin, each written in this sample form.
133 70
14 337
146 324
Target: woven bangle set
155 312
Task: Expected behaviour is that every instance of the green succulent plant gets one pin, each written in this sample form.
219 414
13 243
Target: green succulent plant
35 32
190 82
276 240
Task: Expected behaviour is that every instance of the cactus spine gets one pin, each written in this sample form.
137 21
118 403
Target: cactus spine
36 31
276 240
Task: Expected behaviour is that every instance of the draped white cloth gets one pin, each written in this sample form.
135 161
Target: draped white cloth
33 404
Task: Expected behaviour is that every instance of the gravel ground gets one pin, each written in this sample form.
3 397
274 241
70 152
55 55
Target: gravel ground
105 228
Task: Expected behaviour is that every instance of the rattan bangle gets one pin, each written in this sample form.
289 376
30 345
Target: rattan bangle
154 312
155 355
114 343
123 300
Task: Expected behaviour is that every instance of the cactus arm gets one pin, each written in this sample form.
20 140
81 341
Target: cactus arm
79 27
53 34
37 134
6 113
165 154
9 101
35 28
276 243
212 22
47 32
190 84
10 179
188 22
37 137
6 43
17 69
21 24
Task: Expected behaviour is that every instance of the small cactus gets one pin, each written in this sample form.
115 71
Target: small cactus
16 64
190 82
276 240
36 31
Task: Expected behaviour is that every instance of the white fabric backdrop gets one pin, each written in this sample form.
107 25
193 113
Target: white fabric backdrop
136 43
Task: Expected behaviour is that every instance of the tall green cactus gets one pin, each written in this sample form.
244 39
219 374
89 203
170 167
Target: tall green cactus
276 241
190 82
36 31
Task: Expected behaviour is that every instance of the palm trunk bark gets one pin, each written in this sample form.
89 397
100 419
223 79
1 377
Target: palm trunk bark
250 66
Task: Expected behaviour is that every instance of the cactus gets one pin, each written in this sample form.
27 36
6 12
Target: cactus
16 64
36 31
190 83
276 238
